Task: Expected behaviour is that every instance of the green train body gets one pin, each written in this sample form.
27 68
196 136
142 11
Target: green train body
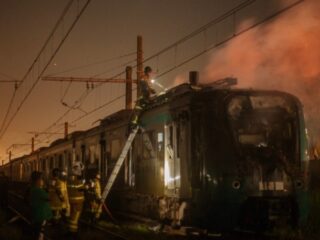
224 159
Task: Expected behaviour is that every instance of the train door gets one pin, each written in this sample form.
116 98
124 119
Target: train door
172 173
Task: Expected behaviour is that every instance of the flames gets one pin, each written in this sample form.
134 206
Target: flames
283 54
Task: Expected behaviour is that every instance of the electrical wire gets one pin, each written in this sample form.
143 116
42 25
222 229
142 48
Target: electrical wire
93 64
235 35
197 55
187 37
189 59
64 12
7 76
199 30
46 66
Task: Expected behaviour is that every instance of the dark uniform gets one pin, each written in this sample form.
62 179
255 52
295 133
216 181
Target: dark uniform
3 191
145 92
75 188
39 203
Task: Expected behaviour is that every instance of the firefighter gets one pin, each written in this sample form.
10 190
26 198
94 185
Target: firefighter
76 189
145 93
39 203
64 192
94 198
56 197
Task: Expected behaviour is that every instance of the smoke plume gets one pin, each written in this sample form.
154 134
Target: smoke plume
283 54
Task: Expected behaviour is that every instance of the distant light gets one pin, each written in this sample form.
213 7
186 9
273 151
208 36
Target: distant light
153 81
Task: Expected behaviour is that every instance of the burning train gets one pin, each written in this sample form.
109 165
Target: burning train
224 158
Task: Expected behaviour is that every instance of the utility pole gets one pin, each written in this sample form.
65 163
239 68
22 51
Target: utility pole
128 87
10 156
139 64
32 145
128 81
66 130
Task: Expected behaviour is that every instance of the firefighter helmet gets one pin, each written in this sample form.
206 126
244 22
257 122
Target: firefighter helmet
77 168
147 70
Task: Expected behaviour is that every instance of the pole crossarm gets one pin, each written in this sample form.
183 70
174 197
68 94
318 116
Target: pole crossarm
44 133
85 80
10 81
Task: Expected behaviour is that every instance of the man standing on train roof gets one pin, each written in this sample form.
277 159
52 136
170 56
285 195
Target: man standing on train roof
145 94
56 196
145 84
76 190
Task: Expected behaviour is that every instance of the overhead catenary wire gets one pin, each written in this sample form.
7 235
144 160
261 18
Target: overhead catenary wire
236 34
164 50
92 64
197 55
199 30
64 12
7 76
185 38
45 67
193 57
99 74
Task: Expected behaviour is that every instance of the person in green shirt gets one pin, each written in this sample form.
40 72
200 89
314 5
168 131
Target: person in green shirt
39 201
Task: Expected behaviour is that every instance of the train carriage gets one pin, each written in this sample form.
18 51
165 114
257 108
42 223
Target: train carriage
220 158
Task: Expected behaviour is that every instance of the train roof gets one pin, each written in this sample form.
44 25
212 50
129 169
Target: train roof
121 115
222 86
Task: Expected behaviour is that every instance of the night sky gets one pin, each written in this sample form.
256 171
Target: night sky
106 30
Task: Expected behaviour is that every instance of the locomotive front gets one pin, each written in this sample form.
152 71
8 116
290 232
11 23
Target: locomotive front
252 155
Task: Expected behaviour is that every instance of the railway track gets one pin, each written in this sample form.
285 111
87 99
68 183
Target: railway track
99 232
93 229
27 232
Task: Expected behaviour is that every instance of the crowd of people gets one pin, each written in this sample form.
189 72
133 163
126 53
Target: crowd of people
62 200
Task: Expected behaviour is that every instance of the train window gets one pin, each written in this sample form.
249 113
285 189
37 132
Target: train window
160 141
60 162
20 171
262 124
92 154
51 163
44 165
103 159
115 149
172 161
83 154
69 160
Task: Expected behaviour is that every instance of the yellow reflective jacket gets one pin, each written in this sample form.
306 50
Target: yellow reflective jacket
75 190
56 197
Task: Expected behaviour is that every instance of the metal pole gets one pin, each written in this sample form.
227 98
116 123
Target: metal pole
128 87
139 64
32 145
66 130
